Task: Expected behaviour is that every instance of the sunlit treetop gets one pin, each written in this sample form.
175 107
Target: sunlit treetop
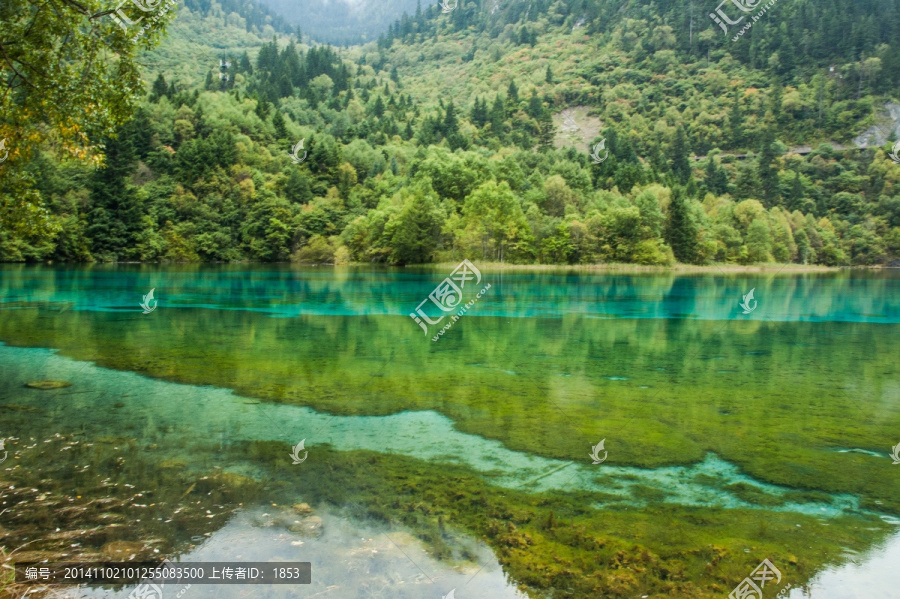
68 73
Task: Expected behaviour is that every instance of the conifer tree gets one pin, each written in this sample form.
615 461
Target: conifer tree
281 131
244 65
736 123
451 123
681 231
479 115
796 193
766 173
716 178
297 188
498 116
535 107
159 89
681 162
115 214
775 101
547 131
512 97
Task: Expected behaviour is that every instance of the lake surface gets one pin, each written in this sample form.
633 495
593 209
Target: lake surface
461 460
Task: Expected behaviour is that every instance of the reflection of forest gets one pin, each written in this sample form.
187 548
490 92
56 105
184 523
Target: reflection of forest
860 296
778 399
667 389
165 477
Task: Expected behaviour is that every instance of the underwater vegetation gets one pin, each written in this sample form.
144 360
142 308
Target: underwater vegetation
805 411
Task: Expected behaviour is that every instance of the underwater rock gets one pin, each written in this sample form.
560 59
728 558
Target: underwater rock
311 526
122 550
172 464
48 385
234 487
302 508
110 517
233 480
266 521
73 512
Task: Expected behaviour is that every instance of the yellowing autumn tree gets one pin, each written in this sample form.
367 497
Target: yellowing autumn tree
68 79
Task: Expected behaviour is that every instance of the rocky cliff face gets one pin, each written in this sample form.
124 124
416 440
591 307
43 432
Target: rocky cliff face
886 122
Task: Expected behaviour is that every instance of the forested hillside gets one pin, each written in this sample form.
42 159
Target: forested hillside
437 142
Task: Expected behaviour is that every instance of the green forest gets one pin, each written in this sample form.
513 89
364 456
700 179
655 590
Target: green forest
438 141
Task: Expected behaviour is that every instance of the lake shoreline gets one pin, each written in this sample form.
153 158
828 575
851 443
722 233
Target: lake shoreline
640 268
612 267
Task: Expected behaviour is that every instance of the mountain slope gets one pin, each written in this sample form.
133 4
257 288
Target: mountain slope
438 141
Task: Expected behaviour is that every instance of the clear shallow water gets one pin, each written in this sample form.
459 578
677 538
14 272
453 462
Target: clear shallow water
366 560
349 560
722 429
872 574
171 416
291 291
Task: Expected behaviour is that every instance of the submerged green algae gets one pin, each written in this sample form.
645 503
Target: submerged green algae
795 391
779 399
554 542
589 541
558 541
170 417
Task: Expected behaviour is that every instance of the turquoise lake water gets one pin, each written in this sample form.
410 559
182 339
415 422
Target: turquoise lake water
767 433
